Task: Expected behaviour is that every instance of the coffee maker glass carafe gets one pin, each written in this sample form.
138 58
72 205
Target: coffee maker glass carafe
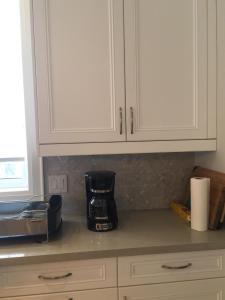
101 206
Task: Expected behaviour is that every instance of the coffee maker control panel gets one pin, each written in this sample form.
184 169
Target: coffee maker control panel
103 226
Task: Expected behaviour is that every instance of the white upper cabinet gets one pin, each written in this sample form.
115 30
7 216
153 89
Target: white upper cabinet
125 76
167 64
79 52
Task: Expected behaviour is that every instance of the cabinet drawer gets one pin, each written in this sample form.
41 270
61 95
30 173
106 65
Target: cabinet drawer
102 294
57 277
209 289
146 269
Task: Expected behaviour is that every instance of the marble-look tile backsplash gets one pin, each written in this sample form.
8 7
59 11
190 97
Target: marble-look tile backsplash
143 181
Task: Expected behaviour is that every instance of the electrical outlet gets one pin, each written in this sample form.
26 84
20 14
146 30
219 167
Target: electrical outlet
57 184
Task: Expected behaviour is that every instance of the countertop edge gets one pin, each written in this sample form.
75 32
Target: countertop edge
67 256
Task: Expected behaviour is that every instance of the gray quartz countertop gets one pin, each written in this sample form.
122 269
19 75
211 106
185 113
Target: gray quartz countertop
139 232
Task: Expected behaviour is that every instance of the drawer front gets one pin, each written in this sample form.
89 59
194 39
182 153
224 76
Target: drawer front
170 267
102 294
209 289
58 277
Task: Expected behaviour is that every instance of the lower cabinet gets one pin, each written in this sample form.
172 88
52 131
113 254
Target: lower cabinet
58 277
173 276
170 267
211 289
100 294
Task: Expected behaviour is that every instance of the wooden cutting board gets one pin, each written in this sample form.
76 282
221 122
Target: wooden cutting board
217 194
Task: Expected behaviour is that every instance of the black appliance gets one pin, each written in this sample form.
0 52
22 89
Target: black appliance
101 206
54 214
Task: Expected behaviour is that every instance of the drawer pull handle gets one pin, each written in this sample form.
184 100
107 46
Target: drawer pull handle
177 268
132 120
54 277
121 120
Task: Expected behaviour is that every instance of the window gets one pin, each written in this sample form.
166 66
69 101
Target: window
20 171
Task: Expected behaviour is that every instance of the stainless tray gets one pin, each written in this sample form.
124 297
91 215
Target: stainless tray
23 218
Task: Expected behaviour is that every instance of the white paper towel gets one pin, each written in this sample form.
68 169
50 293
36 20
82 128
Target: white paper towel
200 192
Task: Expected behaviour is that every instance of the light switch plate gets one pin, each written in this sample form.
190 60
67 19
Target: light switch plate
57 184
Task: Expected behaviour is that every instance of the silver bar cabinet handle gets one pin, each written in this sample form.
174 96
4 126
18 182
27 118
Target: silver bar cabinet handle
178 267
54 277
131 120
121 120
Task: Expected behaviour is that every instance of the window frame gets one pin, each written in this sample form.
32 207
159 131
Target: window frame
34 161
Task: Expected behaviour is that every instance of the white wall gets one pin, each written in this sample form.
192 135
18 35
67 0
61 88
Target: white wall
216 160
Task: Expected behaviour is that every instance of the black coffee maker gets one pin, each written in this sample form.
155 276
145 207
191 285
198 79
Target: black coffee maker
101 206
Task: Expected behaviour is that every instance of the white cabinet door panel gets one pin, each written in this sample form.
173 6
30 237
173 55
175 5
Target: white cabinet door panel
166 69
65 276
212 289
79 52
105 294
170 267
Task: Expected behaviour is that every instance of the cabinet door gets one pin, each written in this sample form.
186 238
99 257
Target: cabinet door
167 61
58 277
212 289
170 267
79 53
109 294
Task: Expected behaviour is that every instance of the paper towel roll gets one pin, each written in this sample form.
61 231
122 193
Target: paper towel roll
200 192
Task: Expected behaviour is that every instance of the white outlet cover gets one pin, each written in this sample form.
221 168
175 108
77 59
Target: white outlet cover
57 184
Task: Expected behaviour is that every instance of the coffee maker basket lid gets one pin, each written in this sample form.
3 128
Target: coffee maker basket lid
101 174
